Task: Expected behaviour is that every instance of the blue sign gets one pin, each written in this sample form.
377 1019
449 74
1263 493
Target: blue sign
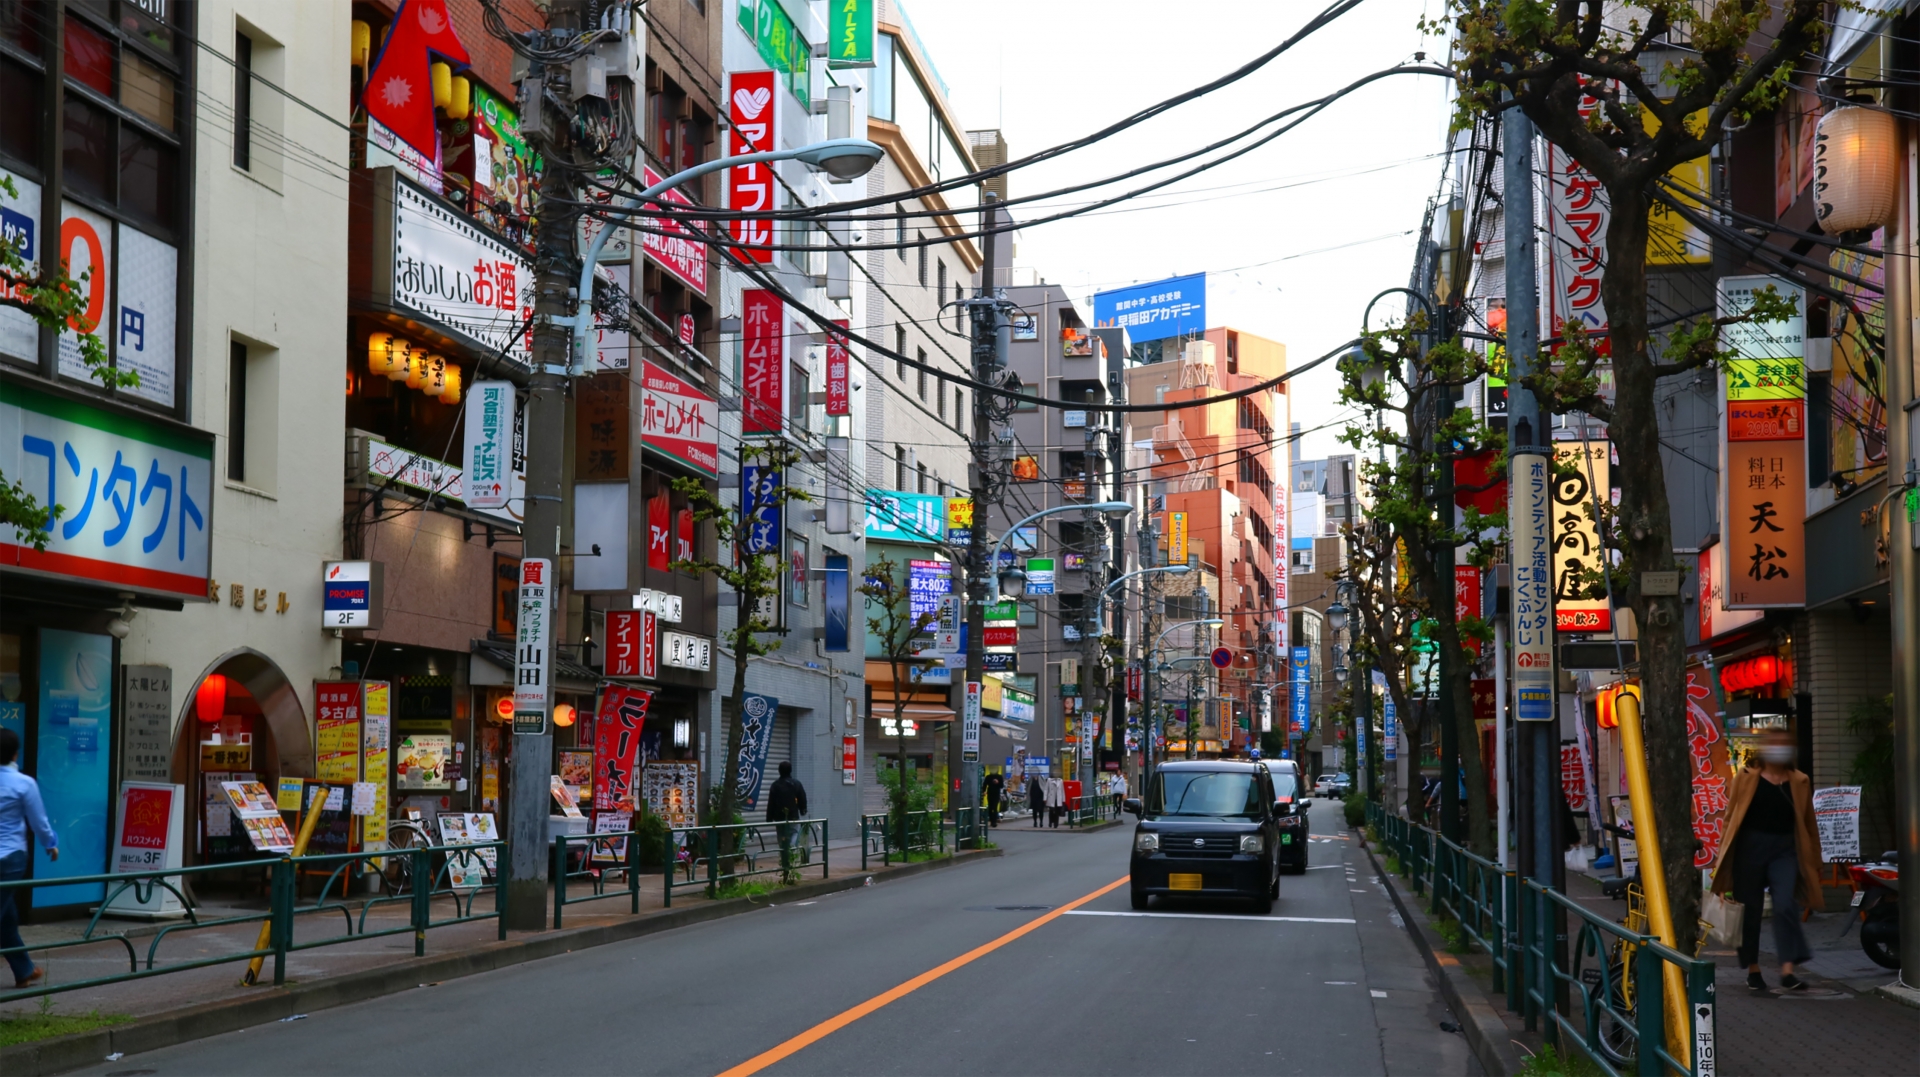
1533 704
899 516
74 760
757 714
927 583
1302 670
1173 307
992 662
839 588
1389 731
760 504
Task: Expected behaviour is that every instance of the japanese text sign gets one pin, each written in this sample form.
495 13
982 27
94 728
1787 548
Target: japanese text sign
1176 538
900 516
487 473
839 362
679 421
849 33
138 496
1763 531
1771 356
616 746
751 129
1766 420
446 270
1529 515
1300 669
1707 753
761 505
1156 310
531 664
757 714
623 643
1580 488
1577 219
763 364
683 257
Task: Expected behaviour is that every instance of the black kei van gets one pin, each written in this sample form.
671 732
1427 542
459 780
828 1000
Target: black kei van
1208 828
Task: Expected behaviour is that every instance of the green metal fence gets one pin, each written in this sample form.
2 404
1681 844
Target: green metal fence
282 907
742 851
602 853
1610 977
924 832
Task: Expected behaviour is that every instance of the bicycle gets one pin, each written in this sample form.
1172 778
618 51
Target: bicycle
1617 1038
403 836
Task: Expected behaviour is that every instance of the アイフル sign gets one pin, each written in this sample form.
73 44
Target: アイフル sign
752 128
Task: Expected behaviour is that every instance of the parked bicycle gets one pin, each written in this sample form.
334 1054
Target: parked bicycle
1617 1039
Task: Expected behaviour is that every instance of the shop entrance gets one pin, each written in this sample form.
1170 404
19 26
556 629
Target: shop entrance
243 722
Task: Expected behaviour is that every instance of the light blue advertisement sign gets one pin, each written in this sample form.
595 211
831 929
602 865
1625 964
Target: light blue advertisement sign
74 761
898 516
1159 309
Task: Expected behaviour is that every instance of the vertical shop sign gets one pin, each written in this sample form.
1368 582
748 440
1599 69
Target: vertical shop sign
1707 751
623 643
146 744
959 520
1176 538
850 33
616 747
849 760
970 725
376 759
760 503
1577 219
659 532
150 837
838 583
530 647
649 644
337 731
762 362
1581 480
74 763
1466 600
839 373
1300 670
1769 357
679 252
756 736
750 115
1763 531
1281 567
487 477
1529 516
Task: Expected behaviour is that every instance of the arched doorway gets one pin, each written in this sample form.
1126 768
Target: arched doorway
261 735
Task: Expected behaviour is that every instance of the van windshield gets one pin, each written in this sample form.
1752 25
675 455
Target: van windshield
1213 793
1283 784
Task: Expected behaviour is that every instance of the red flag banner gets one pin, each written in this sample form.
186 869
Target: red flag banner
616 747
400 88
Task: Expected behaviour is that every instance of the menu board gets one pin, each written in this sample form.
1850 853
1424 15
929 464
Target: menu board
576 770
376 734
470 828
566 796
423 759
259 816
672 791
337 732
611 850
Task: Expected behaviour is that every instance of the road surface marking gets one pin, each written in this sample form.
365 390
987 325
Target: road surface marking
846 1017
1217 916
1377 994
1324 867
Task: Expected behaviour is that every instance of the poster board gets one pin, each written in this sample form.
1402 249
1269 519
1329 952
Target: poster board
565 797
469 828
149 836
337 731
1836 812
611 850
672 791
256 813
576 771
422 761
335 831
376 762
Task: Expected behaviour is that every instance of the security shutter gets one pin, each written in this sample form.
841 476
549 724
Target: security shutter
779 750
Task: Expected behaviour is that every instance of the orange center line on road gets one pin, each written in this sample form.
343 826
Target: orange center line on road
846 1017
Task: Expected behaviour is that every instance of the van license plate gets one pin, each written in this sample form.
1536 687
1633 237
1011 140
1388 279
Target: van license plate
1183 882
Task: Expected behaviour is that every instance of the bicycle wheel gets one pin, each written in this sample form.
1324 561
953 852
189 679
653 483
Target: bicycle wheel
1615 1020
397 871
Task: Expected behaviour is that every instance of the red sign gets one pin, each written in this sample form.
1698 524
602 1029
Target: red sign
533 572
1708 751
687 330
1466 600
1135 686
623 643
678 420
616 746
849 753
659 521
145 813
683 535
838 362
1474 483
1482 690
649 644
1573 777
399 90
683 257
1766 420
1222 658
1004 636
763 365
750 112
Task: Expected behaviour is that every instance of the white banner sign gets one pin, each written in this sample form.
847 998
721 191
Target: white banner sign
444 268
530 689
489 447
970 724
1836 811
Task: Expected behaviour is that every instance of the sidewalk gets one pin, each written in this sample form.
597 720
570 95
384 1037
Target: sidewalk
192 1003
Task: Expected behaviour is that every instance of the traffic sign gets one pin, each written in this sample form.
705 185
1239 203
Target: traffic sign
1222 658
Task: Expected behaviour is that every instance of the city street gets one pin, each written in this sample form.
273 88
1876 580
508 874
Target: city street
1328 984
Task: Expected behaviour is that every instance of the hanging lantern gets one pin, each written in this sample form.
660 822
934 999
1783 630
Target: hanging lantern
460 106
210 699
1603 708
504 707
418 363
436 381
563 715
384 352
442 77
1855 169
362 45
450 391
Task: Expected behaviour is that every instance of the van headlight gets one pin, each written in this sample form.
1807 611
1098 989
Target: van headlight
1253 843
1146 841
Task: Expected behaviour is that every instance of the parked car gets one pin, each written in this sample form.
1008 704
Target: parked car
1207 829
1334 786
1290 805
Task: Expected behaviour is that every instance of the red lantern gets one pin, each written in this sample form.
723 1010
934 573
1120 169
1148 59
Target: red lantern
504 707
210 699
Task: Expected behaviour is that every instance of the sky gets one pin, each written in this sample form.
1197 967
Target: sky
1312 225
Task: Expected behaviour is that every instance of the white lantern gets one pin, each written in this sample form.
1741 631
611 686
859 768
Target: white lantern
1855 169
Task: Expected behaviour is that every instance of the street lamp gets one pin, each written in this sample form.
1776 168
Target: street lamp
1012 581
841 158
1337 617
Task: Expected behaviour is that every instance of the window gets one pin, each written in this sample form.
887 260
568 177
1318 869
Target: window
899 467
1233 352
940 268
797 568
799 396
959 407
959 312
1029 612
900 350
920 252
940 400
880 80
922 488
19 126
921 354
242 101
237 411
900 231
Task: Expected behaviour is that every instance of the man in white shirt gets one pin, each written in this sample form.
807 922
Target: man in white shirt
20 811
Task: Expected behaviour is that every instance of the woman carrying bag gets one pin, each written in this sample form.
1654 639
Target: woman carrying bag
1772 845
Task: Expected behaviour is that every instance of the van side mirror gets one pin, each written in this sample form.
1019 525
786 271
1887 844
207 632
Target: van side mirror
1131 806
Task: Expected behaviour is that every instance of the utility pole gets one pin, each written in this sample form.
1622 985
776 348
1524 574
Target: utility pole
556 268
991 334
1904 561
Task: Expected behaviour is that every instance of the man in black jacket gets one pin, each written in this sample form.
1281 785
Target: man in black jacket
786 802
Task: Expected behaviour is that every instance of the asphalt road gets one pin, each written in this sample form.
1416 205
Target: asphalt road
918 976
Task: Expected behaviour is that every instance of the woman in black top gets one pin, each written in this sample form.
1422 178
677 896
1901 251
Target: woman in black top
1772 845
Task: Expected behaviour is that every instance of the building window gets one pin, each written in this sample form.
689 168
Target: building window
242 101
799 395
940 271
922 488
880 81
900 230
920 252
899 467
921 354
237 410
940 400
959 408
959 312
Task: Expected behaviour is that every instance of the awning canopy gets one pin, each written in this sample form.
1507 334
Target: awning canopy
1010 730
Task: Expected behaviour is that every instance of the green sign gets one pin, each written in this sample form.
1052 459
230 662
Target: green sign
1003 611
851 42
782 46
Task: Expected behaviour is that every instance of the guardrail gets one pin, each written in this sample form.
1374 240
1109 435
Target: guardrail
794 844
1612 976
595 871
925 831
282 907
1094 808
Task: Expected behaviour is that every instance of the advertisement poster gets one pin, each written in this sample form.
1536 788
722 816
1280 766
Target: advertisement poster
470 828
150 838
423 761
617 730
672 791
74 763
1764 531
376 747
1836 811
258 814
576 771
756 737
337 731
611 850
1529 514
1580 487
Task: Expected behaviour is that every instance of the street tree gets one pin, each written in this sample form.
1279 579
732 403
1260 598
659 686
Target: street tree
1585 72
56 301
895 628
1407 439
750 565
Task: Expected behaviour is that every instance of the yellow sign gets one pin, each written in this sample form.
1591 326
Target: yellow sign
959 512
1176 538
376 739
1672 240
218 757
992 694
1766 379
288 796
1582 483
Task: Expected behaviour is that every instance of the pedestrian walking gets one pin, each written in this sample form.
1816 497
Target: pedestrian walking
1772 844
1056 800
1117 785
20 811
1036 799
787 802
996 788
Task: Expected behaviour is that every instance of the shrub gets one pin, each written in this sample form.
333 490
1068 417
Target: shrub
1356 809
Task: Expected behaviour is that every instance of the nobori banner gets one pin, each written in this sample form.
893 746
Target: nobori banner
137 494
1173 307
432 262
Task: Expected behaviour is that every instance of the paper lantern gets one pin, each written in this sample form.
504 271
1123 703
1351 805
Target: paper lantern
563 715
504 707
435 381
362 45
210 699
461 104
385 353
418 363
450 391
1855 169
442 77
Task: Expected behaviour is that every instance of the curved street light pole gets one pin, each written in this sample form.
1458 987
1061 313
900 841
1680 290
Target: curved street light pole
1153 702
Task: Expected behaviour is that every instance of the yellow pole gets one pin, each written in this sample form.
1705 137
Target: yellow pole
1653 879
252 978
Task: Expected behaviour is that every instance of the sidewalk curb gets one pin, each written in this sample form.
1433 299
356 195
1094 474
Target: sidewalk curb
1904 995
1486 1032
173 1027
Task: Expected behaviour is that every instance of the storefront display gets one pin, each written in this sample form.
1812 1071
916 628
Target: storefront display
672 791
423 761
73 762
